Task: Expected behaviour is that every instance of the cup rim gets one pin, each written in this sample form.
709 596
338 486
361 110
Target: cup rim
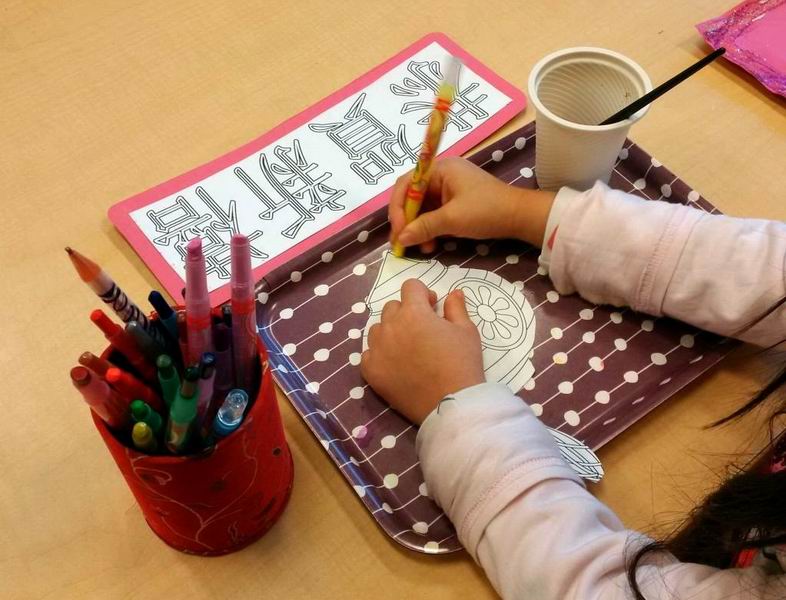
546 60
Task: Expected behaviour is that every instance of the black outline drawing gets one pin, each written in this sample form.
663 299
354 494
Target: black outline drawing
427 78
181 221
360 134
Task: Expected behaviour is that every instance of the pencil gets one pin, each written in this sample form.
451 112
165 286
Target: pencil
420 176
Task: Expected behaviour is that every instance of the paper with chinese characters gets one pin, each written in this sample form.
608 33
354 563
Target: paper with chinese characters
317 173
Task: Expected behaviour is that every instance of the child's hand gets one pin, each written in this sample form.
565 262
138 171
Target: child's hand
463 200
415 357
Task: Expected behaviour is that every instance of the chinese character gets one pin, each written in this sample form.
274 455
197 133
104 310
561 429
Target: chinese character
360 134
428 78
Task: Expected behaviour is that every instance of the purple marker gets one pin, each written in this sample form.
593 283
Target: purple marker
198 321
244 322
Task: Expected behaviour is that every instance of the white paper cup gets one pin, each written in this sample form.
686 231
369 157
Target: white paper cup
573 90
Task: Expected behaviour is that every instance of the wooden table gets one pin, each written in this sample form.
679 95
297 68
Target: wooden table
100 100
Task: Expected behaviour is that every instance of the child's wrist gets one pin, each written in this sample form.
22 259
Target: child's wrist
530 212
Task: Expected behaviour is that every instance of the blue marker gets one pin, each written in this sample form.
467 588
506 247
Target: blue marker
166 315
230 415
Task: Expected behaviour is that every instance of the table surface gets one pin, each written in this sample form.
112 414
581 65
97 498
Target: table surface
101 100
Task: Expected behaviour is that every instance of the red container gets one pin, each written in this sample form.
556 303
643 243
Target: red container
224 498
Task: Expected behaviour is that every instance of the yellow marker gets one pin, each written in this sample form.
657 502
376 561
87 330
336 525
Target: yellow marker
420 176
143 437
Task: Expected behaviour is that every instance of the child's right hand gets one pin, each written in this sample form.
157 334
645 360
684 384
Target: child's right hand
463 200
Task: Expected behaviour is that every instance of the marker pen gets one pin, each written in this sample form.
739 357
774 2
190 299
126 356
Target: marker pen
143 437
207 376
147 346
168 378
104 401
198 318
123 343
183 412
141 412
230 415
130 388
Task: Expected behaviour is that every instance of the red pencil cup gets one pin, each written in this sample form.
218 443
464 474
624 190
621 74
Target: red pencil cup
224 498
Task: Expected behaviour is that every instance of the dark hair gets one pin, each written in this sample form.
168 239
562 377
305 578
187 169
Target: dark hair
745 512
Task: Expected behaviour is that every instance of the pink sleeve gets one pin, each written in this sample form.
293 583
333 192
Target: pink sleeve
526 518
715 272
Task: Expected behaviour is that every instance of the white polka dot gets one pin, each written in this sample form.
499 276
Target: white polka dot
420 527
537 409
687 340
313 387
354 359
520 143
390 481
565 387
354 334
640 183
431 547
616 317
286 313
655 162
596 363
327 257
387 442
519 285
512 259
658 359
386 508
359 432
497 155
321 290
360 490
356 393
262 297
321 355
602 397
588 337
530 385
572 418
620 344
450 246
586 314
648 325
359 269
296 276
423 489
526 172
560 358
556 333
326 327
482 249
665 190
552 296
693 196
542 271
359 308
290 349
631 376
363 236
623 154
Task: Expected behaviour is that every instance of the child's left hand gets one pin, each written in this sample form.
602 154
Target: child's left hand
415 357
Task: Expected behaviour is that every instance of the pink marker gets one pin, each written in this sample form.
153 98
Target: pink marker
244 320
198 321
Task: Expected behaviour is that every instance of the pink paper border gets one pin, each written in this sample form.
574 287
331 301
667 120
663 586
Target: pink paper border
120 213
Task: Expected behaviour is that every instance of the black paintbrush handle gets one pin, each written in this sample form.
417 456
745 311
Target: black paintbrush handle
637 105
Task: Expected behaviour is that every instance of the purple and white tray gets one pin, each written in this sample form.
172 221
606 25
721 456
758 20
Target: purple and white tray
597 369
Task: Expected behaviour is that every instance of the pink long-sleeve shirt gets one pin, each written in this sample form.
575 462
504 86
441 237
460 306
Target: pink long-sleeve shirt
519 509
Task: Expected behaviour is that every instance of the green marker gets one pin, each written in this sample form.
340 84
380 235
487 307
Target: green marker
168 378
183 412
142 413
143 438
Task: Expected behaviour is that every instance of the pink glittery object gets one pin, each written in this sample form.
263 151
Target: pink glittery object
754 35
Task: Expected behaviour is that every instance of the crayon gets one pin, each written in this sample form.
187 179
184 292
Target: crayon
143 438
207 376
130 388
168 378
95 363
230 415
123 343
104 401
198 318
106 289
146 344
141 412
183 412
244 328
